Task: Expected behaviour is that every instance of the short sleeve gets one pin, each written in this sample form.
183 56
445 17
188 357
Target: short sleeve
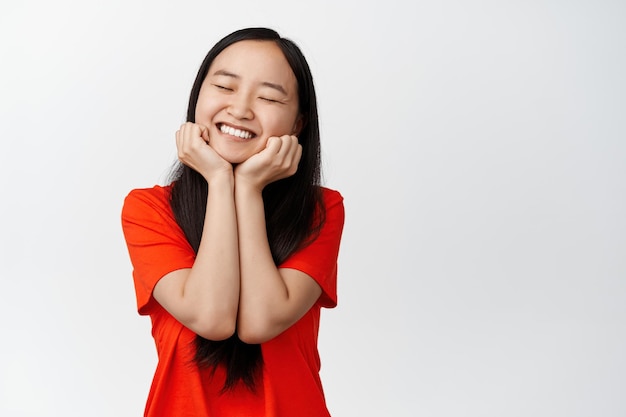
156 244
319 258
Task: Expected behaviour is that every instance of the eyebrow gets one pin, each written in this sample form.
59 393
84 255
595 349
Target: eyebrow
275 86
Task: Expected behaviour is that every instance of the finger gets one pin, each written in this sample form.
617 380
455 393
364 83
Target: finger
179 138
191 133
298 154
274 144
183 129
187 134
294 157
196 132
204 133
192 130
179 143
288 145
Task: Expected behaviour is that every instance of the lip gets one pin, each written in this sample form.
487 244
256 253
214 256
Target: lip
235 126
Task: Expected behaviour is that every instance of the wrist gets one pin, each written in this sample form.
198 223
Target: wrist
221 178
247 184
244 186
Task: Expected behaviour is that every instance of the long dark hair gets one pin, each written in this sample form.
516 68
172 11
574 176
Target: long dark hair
293 206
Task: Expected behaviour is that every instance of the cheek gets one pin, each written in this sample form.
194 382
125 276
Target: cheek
205 108
283 123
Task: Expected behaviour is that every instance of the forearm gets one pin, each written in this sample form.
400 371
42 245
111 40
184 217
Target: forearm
213 282
205 298
262 287
271 299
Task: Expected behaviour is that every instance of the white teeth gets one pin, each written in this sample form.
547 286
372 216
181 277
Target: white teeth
235 132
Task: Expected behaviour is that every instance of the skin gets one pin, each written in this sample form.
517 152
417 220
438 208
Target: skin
234 284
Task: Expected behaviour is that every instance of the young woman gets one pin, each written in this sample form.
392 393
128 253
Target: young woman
235 258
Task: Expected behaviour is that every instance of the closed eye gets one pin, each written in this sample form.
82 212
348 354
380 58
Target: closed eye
269 100
221 87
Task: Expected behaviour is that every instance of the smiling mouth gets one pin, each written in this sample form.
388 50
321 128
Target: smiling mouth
243 134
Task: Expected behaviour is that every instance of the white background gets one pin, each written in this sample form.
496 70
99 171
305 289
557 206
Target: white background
481 150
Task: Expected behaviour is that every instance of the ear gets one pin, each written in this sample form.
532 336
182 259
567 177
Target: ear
298 125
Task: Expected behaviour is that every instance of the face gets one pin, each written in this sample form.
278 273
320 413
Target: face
249 94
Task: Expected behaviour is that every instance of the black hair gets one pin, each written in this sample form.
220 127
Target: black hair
294 210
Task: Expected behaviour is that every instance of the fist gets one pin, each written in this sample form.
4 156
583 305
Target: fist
278 160
194 150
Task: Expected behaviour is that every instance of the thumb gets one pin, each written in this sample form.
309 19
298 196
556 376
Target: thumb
204 133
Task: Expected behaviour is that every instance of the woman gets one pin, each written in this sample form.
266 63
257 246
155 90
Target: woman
234 259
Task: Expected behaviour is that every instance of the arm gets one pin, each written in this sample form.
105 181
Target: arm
205 297
271 299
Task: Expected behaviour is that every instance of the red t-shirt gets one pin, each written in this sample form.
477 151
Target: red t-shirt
291 384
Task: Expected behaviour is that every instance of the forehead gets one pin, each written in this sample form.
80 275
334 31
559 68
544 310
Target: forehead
256 61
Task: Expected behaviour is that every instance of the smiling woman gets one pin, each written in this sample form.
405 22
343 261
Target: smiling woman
235 258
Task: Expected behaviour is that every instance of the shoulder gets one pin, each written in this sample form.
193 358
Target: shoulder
143 205
331 197
156 197
333 201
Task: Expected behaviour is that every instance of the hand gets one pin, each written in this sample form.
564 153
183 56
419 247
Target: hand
194 150
278 160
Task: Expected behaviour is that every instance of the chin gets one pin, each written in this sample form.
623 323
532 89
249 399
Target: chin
232 156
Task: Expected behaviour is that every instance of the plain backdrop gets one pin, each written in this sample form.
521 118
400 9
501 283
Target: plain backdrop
481 150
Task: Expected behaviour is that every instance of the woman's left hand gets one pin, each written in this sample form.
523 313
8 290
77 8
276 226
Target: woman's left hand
278 160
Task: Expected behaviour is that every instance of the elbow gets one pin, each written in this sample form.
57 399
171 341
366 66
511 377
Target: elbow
256 331
216 334
250 338
253 338
217 328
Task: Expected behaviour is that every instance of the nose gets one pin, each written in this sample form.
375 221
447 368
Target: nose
239 106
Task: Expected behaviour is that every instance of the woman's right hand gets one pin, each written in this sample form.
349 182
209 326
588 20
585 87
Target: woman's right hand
195 151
